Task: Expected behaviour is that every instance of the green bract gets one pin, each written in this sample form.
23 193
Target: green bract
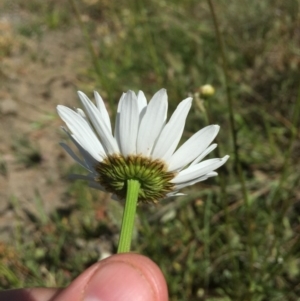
115 170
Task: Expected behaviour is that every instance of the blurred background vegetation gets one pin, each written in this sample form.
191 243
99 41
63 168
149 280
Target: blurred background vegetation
235 237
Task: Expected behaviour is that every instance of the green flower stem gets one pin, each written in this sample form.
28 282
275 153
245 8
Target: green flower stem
132 194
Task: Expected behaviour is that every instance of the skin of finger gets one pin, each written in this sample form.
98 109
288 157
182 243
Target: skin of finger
148 270
76 290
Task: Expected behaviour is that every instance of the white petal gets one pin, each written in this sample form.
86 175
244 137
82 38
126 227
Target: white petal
171 133
81 131
152 122
142 101
142 105
204 154
81 113
88 160
90 179
72 154
201 169
174 193
129 121
96 185
117 122
102 110
200 179
108 141
193 147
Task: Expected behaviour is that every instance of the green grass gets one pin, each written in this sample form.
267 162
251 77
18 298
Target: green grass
221 241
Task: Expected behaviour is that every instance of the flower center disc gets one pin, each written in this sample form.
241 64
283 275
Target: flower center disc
115 170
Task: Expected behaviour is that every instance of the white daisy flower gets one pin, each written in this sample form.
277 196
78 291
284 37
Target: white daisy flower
142 147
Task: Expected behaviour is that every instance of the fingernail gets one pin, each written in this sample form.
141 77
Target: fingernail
119 281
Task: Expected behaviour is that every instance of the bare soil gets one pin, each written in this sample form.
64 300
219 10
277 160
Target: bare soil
36 73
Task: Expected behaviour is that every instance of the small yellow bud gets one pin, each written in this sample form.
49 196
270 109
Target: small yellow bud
207 91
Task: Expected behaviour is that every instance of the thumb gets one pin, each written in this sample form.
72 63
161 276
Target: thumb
120 277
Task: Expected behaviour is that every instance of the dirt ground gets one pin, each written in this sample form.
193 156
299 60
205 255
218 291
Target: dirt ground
36 73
